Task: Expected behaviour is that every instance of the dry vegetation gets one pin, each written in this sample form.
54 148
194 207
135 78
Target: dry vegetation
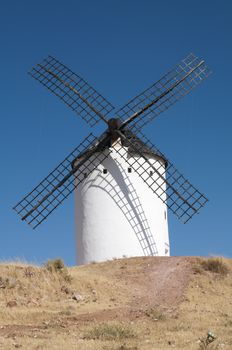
130 304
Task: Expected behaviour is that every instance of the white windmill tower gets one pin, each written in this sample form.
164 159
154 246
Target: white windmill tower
117 214
123 185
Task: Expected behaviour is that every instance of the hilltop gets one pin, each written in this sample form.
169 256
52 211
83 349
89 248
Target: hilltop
129 304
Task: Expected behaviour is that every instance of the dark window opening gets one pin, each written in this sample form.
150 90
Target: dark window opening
165 215
129 170
151 172
85 175
105 171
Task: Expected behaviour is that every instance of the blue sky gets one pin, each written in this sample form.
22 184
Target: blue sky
119 47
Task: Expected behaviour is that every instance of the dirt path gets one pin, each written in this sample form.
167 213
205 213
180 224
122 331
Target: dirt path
157 282
164 282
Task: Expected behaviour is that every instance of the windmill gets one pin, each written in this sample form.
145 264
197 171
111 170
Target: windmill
123 184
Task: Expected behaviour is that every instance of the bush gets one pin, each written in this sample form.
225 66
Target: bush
206 342
112 331
58 266
215 265
155 314
8 282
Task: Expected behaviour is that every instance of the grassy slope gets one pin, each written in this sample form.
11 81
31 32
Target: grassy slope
119 308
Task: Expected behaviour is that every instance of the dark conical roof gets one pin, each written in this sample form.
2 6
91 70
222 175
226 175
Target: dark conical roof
141 146
137 142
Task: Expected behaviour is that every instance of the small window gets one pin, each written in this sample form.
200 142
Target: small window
129 170
105 171
151 172
85 175
165 215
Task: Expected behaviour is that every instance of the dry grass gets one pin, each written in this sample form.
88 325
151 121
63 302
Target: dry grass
47 314
216 265
110 331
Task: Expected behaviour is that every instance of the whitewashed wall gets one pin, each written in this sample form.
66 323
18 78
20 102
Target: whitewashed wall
118 215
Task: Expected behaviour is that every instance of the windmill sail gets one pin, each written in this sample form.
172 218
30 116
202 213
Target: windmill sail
164 93
83 99
182 198
60 183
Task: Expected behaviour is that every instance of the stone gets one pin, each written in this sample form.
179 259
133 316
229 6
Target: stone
78 297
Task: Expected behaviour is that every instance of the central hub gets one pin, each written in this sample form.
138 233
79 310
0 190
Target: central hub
114 124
